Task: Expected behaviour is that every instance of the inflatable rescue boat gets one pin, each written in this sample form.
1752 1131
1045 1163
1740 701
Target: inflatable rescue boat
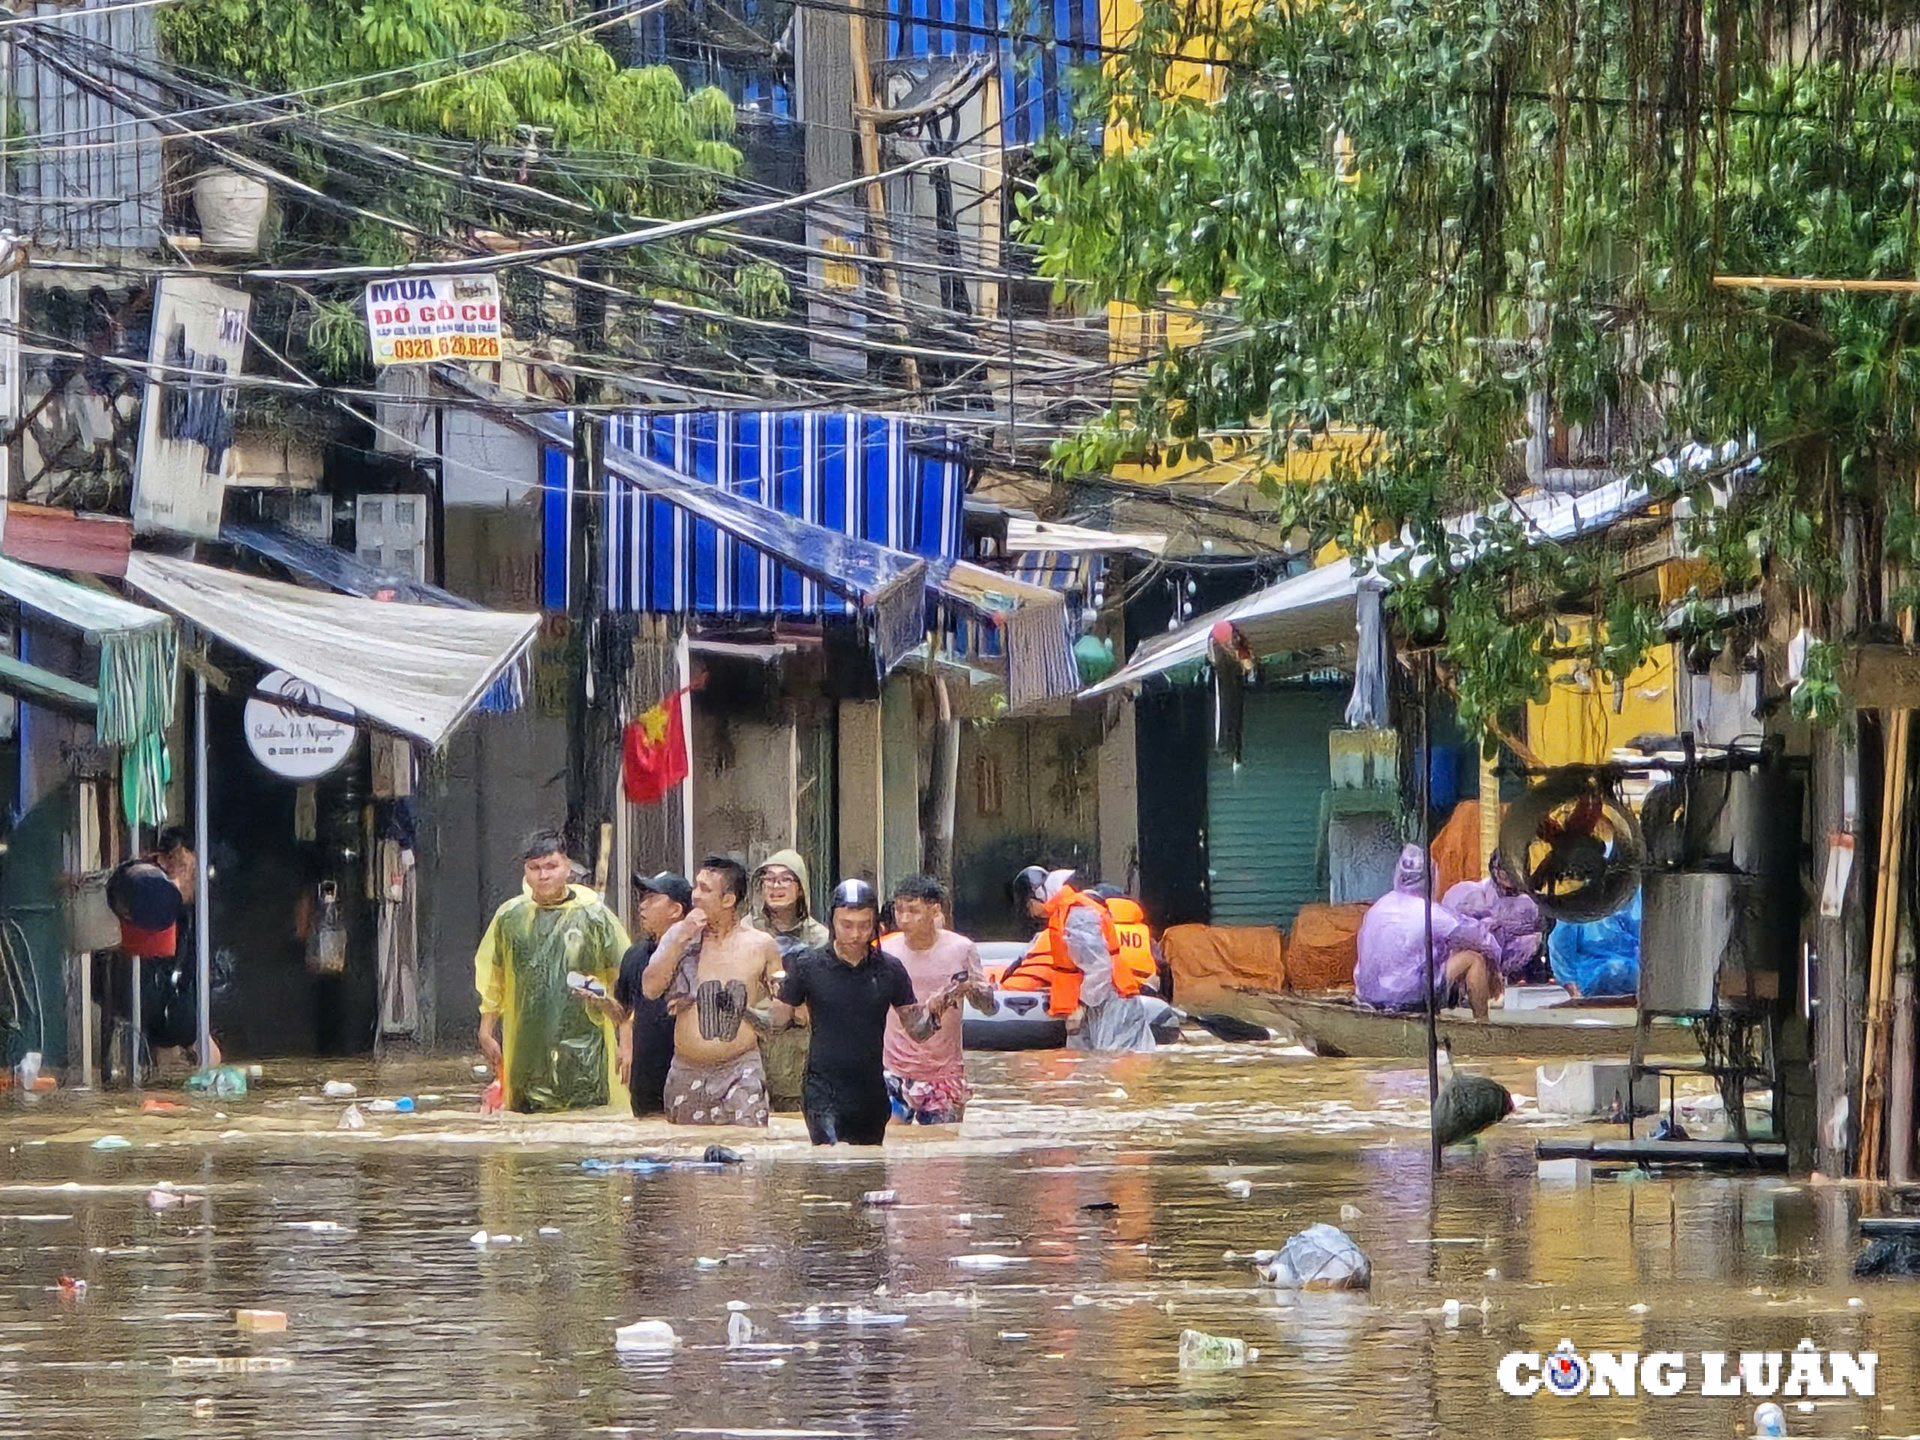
1021 976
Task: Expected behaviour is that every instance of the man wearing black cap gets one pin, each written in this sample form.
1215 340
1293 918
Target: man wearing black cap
850 986
646 1031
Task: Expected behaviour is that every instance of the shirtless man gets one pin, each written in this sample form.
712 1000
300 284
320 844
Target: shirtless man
716 1077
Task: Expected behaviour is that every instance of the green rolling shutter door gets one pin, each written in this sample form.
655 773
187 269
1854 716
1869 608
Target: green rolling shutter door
1263 819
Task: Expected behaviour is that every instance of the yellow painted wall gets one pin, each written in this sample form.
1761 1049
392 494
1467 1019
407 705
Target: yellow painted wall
1579 726
1136 334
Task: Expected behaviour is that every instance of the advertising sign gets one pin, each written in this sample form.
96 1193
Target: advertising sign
434 317
289 741
185 458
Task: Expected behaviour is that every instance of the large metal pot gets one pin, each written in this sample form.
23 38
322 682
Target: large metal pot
1716 942
1721 819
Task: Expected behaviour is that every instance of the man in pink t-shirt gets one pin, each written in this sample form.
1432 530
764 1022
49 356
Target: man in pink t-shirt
928 1078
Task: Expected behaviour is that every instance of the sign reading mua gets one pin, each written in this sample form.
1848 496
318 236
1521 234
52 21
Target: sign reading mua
185 459
434 317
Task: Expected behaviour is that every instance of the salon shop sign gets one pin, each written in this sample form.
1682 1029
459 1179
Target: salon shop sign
434 317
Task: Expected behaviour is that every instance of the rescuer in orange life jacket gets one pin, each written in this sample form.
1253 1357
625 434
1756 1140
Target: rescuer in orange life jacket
1094 986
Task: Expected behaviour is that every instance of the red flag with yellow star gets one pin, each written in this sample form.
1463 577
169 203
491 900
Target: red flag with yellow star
655 752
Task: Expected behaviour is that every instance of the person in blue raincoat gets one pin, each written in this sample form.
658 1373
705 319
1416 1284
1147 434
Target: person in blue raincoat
1601 957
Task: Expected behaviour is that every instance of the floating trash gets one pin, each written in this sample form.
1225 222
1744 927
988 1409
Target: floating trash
113 1142
646 1337
1201 1351
857 1315
230 1364
1320 1257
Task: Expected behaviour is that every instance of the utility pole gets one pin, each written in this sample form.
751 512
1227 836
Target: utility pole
1839 982
879 233
587 798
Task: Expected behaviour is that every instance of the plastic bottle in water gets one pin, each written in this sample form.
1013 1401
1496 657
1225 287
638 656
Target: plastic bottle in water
1201 1351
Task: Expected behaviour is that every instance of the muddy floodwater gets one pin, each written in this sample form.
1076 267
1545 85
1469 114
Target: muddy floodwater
1032 1277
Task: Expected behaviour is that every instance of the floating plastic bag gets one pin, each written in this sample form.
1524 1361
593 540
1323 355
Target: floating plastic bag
1201 1351
1321 1257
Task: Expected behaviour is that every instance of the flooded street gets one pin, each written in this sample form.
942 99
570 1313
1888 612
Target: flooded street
1033 1277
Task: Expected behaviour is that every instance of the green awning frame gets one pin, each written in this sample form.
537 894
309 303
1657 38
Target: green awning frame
43 687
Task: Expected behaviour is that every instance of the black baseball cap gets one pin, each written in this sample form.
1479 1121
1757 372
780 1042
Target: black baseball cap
674 887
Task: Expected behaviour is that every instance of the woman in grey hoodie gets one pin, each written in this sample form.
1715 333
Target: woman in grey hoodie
779 895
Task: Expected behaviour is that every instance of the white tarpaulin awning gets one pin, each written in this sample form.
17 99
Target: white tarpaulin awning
1316 611
1024 535
414 669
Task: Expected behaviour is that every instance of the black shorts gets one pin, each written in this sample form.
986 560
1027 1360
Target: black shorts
835 1117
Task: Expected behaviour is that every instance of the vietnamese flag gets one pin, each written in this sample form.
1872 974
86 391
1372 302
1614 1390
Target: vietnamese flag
655 752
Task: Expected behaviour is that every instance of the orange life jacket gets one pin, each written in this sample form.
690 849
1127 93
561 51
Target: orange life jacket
1136 943
1065 997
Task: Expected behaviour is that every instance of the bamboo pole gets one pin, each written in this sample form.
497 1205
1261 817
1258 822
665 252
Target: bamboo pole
1885 927
1900 1078
1789 282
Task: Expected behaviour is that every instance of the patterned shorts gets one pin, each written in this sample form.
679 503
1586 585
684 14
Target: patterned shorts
928 1102
734 1093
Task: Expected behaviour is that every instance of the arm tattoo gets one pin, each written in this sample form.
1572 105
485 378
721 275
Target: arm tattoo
918 1021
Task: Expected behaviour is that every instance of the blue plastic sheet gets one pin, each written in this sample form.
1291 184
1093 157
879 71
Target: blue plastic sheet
1602 957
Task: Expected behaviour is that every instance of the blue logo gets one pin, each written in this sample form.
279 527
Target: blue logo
1565 1372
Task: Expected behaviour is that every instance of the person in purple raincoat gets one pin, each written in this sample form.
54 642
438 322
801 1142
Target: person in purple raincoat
1508 912
1393 939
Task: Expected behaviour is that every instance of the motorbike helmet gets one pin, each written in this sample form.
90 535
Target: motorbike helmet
854 895
1029 884
1107 892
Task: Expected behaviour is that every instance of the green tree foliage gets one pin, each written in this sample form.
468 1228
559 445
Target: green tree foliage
504 79
1409 216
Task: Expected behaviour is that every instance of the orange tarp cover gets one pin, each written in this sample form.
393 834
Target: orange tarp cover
1456 849
1324 946
1207 959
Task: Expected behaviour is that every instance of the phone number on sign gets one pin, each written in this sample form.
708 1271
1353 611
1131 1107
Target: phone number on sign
447 347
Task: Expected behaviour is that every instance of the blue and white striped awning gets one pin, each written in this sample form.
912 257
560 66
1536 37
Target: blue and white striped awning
871 477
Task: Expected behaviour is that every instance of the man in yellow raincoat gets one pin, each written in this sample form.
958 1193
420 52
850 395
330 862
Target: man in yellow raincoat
551 1043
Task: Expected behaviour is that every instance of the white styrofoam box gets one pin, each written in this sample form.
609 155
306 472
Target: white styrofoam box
1581 1089
1535 997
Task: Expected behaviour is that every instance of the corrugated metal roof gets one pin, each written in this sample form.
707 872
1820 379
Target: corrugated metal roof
90 179
1059 34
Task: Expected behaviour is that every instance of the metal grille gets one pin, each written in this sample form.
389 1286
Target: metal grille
88 179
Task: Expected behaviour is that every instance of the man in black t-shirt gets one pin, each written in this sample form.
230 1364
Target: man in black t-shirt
646 1027
849 986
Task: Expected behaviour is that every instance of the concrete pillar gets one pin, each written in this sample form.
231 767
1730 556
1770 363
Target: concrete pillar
899 782
861 829
1119 794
